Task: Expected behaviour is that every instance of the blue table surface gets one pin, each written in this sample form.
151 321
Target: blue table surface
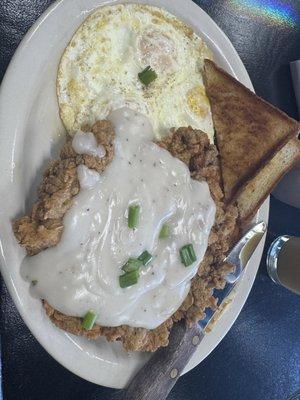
259 359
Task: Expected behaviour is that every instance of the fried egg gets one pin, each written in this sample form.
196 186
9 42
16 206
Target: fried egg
99 69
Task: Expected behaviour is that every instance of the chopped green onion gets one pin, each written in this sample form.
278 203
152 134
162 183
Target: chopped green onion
147 76
187 255
34 282
133 216
129 279
164 232
132 265
89 320
145 257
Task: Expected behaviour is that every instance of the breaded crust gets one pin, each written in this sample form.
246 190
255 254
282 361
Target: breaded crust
249 131
38 231
43 227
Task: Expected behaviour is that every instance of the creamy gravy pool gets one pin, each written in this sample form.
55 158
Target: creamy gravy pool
82 271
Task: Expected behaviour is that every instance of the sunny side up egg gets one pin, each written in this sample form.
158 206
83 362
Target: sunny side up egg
98 72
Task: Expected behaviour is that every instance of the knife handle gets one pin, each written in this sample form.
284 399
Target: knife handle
158 376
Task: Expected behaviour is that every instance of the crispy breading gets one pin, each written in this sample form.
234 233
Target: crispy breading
43 228
60 185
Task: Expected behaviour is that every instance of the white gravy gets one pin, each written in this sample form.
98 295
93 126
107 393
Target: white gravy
82 271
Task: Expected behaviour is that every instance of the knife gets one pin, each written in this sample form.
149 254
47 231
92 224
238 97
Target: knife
158 376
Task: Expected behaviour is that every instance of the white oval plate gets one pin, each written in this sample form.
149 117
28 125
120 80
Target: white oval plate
30 133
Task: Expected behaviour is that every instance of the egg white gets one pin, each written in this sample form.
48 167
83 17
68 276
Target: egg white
99 69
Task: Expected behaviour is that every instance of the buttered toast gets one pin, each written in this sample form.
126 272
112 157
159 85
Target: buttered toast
257 143
249 131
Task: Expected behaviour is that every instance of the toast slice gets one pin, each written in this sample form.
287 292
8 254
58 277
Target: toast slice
257 189
249 131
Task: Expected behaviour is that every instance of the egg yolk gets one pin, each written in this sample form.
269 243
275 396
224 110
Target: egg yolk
157 50
198 101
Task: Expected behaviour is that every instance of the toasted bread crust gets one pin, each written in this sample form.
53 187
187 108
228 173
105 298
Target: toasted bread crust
249 131
257 189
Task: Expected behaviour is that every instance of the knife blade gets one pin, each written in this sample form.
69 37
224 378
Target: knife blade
158 376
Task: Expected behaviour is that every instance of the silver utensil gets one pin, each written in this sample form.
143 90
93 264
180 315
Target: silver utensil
283 262
158 376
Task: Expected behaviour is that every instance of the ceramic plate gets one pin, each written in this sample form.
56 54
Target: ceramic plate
30 134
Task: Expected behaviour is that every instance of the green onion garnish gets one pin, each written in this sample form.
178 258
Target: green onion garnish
89 320
132 265
164 232
147 76
145 257
133 216
34 282
129 279
187 255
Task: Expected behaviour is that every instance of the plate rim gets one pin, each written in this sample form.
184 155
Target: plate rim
238 70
